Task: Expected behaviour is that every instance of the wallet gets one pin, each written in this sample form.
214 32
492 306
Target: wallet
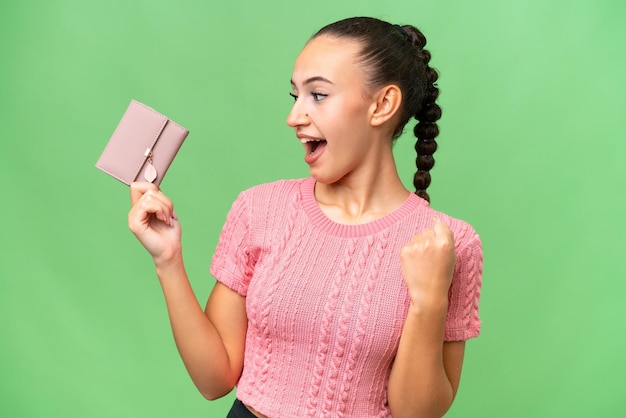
142 146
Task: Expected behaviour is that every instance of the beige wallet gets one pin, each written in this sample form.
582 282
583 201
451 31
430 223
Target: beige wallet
142 146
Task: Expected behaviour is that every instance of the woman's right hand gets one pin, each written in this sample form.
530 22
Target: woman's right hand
153 221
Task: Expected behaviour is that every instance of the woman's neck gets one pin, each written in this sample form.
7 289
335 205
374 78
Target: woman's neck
362 198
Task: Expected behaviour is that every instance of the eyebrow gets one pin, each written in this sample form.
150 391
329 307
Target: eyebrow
314 79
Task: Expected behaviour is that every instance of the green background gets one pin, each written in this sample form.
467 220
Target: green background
531 153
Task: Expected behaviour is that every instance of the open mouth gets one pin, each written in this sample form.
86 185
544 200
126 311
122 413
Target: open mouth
313 146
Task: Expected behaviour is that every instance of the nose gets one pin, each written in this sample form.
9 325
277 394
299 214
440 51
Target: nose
297 116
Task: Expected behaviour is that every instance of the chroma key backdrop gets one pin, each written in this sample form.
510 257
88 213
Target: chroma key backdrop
531 153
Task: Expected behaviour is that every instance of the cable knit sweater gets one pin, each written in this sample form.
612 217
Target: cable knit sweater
326 302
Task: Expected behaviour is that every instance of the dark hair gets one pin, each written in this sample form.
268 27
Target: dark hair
394 54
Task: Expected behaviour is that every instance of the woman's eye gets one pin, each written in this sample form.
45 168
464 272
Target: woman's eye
295 96
318 96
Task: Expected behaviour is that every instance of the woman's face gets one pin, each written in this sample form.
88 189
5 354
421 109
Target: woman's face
332 110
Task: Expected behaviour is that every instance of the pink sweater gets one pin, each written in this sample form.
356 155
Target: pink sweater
326 302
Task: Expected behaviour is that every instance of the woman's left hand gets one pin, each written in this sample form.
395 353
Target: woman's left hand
427 263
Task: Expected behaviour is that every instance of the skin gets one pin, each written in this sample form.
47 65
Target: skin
357 182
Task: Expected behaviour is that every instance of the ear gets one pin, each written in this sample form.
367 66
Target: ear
387 102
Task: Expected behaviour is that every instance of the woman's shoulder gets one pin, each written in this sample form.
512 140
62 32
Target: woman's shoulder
267 196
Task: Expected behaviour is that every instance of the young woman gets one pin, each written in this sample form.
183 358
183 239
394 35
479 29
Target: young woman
342 294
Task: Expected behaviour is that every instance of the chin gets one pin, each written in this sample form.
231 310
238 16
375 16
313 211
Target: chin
325 178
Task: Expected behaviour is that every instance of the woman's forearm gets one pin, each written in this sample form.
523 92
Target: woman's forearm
197 339
419 385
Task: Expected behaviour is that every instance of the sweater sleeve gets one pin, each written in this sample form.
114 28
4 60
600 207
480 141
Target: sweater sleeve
462 321
233 262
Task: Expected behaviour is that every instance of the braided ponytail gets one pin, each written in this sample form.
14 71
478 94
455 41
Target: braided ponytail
428 114
396 54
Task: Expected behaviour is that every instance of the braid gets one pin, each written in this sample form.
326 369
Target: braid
427 115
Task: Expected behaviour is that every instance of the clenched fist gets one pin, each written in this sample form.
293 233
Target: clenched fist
427 263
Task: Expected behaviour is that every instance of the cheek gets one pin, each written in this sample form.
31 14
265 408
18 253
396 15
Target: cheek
341 121
350 114
359 111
